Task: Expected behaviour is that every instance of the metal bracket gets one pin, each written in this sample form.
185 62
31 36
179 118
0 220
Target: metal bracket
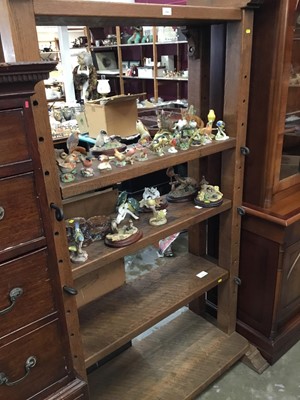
245 151
70 290
237 281
241 211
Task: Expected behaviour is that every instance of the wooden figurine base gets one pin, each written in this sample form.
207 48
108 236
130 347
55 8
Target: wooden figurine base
182 199
125 242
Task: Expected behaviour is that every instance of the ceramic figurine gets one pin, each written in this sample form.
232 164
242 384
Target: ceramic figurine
159 142
206 132
87 172
208 195
85 78
151 201
72 141
141 154
77 253
145 136
182 188
104 163
151 197
221 135
66 166
136 37
125 234
159 217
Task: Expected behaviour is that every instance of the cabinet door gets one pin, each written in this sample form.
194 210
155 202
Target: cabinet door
258 274
290 296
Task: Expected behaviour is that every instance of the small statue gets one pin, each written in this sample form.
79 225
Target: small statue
123 235
136 37
145 136
182 188
77 253
85 78
208 195
221 135
152 201
159 217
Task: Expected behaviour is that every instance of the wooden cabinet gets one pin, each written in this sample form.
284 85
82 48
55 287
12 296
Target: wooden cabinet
34 348
269 296
179 360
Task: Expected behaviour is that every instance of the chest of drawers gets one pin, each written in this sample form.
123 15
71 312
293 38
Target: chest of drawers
34 340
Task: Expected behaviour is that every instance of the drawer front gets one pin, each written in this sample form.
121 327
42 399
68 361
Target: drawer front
13 137
25 291
50 369
20 216
14 142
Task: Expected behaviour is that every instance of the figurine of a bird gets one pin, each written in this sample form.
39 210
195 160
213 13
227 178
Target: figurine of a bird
72 141
78 237
119 156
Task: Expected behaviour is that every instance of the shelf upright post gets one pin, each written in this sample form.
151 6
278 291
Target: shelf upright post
120 59
64 45
155 89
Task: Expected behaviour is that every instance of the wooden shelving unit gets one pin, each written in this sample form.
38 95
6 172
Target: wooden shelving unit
178 360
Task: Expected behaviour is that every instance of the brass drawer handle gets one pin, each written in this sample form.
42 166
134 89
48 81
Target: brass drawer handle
13 295
1 212
30 363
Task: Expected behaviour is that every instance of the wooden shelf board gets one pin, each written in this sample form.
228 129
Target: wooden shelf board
111 321
176 362
91 13
154 163
180 216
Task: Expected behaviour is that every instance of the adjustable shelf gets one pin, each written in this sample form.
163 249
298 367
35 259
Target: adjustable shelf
176 362
154 163
180 216
113 320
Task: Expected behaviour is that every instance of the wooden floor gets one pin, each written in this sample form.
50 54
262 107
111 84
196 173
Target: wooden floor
175 362
110 322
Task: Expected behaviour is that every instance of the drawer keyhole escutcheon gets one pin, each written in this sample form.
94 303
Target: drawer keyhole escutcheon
30 363
13 295
1 212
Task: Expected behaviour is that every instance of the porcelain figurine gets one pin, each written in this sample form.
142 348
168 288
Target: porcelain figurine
85 78
136 37
127 233
77 253
87 172
159 217
152 198
145 137
208 195
221 135
104 163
